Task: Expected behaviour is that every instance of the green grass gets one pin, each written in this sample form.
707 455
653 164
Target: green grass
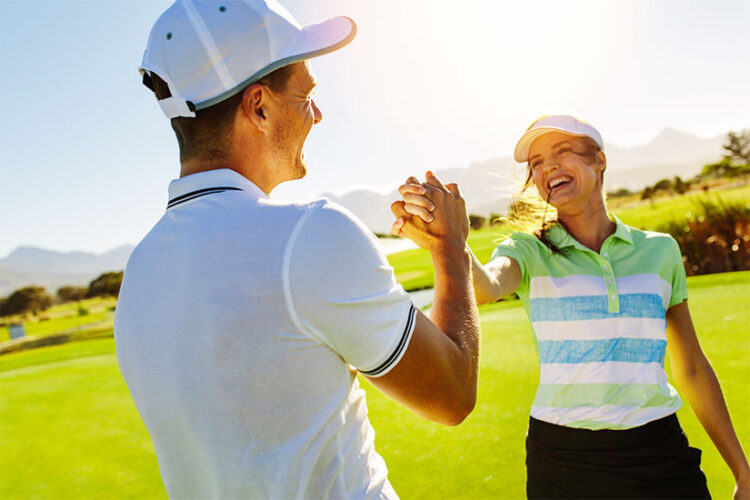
69 428
65 316
650 216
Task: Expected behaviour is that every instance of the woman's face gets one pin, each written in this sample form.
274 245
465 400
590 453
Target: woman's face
565 172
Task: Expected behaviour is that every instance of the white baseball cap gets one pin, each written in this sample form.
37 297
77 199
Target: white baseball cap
209 50
554 123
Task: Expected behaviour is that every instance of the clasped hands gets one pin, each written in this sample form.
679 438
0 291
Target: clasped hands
431 214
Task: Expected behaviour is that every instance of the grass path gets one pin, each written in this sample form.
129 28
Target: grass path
69 429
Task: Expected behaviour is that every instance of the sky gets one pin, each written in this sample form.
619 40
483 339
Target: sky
86 155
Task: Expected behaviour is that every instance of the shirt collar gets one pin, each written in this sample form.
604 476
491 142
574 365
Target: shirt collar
209 179
560 237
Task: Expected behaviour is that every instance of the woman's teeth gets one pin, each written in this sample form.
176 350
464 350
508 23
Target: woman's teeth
559 181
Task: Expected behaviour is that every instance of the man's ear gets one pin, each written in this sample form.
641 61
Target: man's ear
254 105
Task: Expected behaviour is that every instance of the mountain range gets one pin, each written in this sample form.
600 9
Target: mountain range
50 269
487 186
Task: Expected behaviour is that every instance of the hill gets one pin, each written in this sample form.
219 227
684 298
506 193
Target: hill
51 269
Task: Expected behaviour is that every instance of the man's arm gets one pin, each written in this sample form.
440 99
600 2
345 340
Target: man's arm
437 376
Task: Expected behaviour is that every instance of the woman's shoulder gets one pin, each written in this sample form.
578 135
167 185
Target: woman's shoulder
651 237
519 244
654 243
521 238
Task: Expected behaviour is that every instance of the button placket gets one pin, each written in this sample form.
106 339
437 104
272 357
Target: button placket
613 297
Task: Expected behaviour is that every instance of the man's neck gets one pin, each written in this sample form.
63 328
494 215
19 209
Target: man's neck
191 167
258 176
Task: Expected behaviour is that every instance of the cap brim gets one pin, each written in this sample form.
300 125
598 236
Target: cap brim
521 153
325 37
314 40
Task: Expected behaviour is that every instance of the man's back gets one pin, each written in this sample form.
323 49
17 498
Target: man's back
220 355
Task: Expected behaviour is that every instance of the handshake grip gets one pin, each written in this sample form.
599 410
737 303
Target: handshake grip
431 214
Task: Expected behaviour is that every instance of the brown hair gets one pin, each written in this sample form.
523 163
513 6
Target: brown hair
529 211
208 135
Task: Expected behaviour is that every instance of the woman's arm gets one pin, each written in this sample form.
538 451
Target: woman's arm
493 281
695 376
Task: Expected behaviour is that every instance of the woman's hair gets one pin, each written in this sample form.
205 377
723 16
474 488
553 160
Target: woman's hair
531 213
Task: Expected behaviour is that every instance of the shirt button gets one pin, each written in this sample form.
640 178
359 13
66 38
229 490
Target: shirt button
609 281
611 297
606 267
606 254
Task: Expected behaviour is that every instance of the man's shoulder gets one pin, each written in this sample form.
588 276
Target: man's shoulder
327 228
335 219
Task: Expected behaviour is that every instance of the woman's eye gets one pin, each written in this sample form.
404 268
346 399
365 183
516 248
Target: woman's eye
563 151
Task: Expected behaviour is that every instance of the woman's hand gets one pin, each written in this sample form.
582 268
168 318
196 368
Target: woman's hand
415 198
432 215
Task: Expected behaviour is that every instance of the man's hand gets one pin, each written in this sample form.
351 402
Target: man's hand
432 215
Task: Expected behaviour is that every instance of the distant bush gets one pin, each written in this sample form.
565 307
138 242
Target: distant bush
663 185
106 284
71 293
619 193
715 239
477 221
82 311
724 168
31 299
680 186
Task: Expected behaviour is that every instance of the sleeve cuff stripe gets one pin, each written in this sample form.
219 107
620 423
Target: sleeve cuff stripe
399 348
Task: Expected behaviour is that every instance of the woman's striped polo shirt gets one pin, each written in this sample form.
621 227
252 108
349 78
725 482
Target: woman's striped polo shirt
599 322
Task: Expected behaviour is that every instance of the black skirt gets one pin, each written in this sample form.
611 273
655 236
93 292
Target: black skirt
650 461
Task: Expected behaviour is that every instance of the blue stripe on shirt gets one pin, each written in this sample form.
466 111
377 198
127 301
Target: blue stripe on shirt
632 305
597 351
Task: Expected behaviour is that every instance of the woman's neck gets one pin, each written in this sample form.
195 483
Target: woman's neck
589 227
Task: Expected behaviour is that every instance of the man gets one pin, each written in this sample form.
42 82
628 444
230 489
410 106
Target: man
242 322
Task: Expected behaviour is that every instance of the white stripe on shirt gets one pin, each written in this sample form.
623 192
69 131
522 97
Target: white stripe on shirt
595 329
615 372
582 284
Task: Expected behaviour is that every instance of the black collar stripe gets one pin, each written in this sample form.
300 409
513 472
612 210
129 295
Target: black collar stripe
174 204
399 348
196 194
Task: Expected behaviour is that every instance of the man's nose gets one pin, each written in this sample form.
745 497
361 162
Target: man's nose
318 115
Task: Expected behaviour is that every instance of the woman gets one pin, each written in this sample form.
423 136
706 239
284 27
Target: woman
605 301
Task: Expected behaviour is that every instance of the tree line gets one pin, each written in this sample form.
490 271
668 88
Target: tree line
35 299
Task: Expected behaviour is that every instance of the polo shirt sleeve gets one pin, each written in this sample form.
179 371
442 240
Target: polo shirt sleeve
520 247
341 291
679 280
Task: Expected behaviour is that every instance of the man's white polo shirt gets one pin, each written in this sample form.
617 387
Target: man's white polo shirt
237 323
